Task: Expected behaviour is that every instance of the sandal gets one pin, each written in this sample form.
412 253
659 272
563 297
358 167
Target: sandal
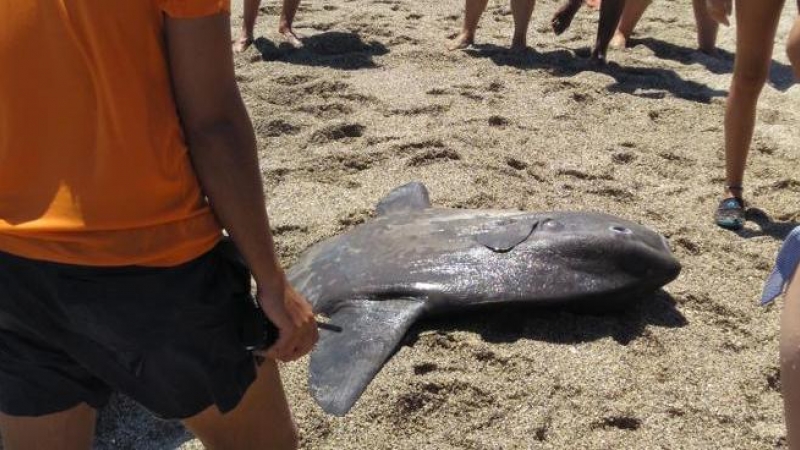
730 213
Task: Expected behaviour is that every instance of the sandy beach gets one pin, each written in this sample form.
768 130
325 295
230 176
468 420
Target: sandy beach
374 101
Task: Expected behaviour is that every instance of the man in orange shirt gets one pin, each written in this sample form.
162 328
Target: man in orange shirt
125 148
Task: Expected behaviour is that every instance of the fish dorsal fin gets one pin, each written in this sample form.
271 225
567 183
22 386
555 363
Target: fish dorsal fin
507 234
343 364
408 197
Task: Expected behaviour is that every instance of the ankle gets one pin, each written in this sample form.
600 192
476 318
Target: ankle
734 190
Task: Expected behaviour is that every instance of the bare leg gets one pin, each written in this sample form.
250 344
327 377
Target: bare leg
756 25
288 12
522 11
72 429
706 28
248 24
631 14
790 361
473 9
261 420
562 19
793 48
610 13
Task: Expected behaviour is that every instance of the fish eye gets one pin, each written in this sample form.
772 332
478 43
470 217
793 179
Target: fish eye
552 225
620 229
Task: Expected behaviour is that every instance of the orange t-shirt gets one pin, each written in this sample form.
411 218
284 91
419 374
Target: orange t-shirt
94 169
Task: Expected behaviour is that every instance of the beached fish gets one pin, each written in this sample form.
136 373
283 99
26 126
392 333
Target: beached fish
414 261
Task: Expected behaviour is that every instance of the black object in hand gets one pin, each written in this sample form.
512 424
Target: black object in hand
258 332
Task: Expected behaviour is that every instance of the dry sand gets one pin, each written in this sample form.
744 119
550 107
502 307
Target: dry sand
375 101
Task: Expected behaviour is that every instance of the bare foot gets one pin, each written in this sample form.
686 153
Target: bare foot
519 44
619 41
562 19
713 52
593 3
597 59
291 38
242 44
462 41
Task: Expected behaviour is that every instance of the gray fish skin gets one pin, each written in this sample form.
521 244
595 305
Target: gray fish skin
415 261
434 254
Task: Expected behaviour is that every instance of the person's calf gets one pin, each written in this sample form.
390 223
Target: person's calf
793 48
261 420
72 429
610 14
707 28
790 361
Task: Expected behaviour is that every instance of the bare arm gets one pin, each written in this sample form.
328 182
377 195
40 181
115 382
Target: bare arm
222 147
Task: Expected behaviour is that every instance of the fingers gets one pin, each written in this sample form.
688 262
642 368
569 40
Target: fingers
720 10
294 347
297 327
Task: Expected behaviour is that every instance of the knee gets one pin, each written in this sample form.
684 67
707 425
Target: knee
749 81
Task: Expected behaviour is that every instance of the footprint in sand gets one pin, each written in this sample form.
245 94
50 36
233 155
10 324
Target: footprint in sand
689 246
432 156
620 422
288 229
516 164
438 91
327 110
418 145
325 88
431 109
676 158
773 378
623 157
293 80
354 218
425 368
337 132
618 194
276 128
498 121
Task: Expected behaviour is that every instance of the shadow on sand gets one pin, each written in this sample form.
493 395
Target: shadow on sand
780 75
335 49
767 227
639 81
124 425
559 326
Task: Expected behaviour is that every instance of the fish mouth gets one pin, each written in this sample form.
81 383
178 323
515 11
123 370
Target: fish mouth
665 243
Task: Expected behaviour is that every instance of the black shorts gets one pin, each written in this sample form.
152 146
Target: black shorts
169 338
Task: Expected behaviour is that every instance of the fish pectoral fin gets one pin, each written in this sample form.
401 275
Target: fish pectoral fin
408 197
507 235
343 364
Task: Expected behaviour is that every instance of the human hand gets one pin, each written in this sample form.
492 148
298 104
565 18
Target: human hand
292 315
720 10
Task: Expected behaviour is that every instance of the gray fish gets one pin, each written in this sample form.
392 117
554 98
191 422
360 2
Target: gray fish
414 261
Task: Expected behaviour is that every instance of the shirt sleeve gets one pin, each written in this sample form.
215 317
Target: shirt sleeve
187 9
